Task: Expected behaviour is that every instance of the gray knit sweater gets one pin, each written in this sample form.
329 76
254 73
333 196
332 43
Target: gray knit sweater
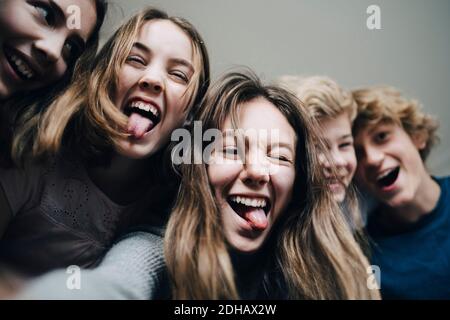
133 269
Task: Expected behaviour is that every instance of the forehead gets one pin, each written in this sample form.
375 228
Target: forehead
167 38
84 11
261 117
367 132
338 124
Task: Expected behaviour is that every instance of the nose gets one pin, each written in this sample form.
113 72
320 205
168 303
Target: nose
256 172
153 81
49 48
373 157
338 159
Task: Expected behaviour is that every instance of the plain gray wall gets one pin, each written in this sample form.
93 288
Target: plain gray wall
327 37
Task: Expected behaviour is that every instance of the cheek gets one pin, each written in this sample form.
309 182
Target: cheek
175 119
176 105
124 84
10 17
61 69
360 174
18 23
222 176
283 184
351 162
177 97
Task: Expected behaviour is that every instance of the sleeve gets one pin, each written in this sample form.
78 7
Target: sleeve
21 187
133 269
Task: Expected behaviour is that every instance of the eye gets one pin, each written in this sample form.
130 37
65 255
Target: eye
346 145
231 152
136 60
280 157
180 75
381 136
45 12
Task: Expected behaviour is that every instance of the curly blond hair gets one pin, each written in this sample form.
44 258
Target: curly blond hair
321 95
386 104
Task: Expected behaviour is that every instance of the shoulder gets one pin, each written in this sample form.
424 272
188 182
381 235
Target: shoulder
137 247
23 186
444 181
144 230
444 184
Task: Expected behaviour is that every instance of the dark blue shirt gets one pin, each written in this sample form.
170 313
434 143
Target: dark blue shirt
416 264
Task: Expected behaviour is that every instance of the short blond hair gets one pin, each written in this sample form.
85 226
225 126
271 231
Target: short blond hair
386 104
321 95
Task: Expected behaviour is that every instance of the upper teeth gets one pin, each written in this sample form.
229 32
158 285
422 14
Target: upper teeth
385 174
146 107
22 66
250 202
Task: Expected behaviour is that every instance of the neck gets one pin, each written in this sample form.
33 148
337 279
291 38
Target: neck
249 269
423 203
124 180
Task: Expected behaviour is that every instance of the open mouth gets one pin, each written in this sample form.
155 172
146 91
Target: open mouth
20 66
143 117
334 182
253 210
388 178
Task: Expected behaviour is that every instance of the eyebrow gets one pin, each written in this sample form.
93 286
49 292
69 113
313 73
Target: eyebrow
61 16
143 47
382 124
183 62
346 136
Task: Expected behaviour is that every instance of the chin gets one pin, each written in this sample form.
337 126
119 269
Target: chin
400 200
134 152
247 246
339 197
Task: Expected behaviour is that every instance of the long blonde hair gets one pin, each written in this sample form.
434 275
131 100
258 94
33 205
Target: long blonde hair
85 115
313 247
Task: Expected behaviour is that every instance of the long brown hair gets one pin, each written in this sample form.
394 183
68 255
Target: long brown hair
85 116
314 248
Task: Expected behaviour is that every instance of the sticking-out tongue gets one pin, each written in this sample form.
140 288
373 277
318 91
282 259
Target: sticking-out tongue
138 125
257 218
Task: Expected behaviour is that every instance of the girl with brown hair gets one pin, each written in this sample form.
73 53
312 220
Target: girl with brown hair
39 50
260 222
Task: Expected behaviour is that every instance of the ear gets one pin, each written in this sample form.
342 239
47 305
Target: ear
420 139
